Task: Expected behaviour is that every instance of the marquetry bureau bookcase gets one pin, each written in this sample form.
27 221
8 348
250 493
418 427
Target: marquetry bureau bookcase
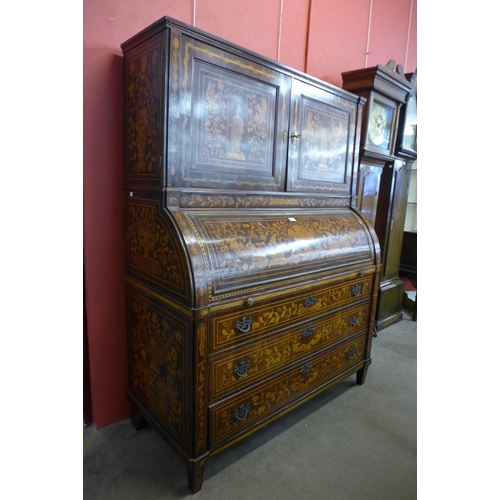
251 279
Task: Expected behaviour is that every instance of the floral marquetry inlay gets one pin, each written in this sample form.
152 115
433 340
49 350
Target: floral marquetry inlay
270 396
157 361
143 112
323 146
253 247
152 250
235 121
279 349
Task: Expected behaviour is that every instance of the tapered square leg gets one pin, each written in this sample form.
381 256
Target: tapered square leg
195 470
361 375
139 422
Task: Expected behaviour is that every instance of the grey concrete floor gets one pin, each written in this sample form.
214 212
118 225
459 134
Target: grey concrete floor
352 442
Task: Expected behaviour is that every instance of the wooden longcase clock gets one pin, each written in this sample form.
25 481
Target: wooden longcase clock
382 178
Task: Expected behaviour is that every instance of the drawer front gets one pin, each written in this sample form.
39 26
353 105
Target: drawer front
247 409
239 368
233 327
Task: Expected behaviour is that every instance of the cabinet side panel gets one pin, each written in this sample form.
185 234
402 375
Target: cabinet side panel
159 348
153 250
144 112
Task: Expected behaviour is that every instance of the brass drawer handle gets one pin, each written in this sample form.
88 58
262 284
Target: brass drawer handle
241 370
354 321
356 289
306 368
351 353
308 331
244 324
241 413
310 301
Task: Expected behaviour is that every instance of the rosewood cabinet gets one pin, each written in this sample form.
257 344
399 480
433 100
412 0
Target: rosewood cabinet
251 280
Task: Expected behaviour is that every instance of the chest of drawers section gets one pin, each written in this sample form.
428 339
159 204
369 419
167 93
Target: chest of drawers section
265 358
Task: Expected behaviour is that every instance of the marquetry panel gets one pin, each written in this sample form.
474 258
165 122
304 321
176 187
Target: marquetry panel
237 414
252 200
246 248
322 135
229 116
143 111
239 368
153 251
200 376
158 359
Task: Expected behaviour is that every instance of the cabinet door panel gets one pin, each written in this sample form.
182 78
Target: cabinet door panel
321 141
231 114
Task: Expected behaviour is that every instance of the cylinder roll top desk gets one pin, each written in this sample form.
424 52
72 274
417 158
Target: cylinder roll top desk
251 279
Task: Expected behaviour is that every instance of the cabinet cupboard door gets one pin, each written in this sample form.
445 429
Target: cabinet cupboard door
226 117
321 141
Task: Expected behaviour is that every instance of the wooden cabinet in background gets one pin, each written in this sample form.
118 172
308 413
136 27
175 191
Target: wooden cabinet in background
251 280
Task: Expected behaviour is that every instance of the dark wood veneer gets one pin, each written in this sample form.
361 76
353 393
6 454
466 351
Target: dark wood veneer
251 277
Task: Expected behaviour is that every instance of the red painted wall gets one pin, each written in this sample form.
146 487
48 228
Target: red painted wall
320 37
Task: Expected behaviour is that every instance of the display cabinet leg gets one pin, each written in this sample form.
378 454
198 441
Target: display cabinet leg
195 470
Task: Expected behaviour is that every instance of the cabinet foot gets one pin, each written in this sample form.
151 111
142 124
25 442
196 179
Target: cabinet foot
361 375
139 422
195 470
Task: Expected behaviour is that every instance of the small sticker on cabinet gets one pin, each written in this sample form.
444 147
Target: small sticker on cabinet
131 193
292 219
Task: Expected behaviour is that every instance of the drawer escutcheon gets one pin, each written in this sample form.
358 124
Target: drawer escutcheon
356 289
354 321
